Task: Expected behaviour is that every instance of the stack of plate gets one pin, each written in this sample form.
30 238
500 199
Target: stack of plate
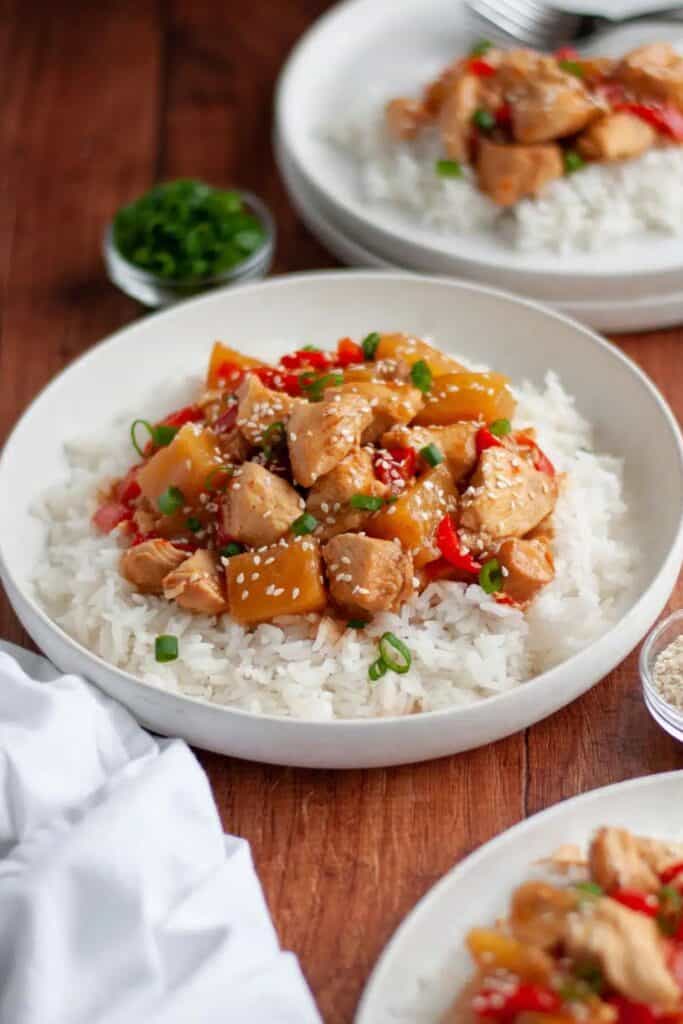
378 47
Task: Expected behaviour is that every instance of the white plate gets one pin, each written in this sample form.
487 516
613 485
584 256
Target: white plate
515 336
425 964
364 51
625 314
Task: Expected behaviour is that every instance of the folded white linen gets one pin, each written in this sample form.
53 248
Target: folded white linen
120 898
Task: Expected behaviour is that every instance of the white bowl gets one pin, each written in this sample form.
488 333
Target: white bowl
426 963
517 337
362 52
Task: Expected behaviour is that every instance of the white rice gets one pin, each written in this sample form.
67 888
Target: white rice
589 210
464 645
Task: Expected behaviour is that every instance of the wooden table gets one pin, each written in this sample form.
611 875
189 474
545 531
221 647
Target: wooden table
99 101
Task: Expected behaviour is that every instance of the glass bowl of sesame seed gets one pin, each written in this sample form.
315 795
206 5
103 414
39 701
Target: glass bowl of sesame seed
661 669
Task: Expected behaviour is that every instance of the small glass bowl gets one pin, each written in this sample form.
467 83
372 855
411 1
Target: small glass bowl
669 717
154 291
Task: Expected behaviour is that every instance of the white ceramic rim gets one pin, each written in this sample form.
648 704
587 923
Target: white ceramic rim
423 907
24 603
366 220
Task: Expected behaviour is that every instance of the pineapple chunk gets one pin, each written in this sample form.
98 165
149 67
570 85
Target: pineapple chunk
413 519
403 347
493 950
467 396
284 579
221 354
185 463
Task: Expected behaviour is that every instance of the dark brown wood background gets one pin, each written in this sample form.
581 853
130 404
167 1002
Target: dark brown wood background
97 101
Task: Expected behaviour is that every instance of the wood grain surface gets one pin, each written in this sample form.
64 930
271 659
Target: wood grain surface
99 101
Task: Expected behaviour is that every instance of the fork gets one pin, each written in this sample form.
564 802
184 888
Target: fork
543 27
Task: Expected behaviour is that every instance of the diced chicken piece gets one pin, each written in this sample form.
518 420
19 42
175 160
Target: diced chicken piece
538 914
367 575
198 585
629 949
329 498
544 531
546 102
259 507
621 860
145 565
507 497
616 137
404 118
391 404
455 117
456 442
654 71
509 173
259 408
285 579
527 567
320 434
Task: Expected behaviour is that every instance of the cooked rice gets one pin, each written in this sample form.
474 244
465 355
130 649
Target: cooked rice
597 207
464 645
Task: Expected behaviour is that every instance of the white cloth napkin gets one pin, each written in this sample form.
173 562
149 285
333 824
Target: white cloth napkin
120 898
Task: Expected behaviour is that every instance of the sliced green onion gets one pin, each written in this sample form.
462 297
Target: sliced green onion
228 550
357 623
500 427
369 345
432 455
377 669
572 67
272 436
148 426
160 436
208 483
314 386
491 576
591 976
482 47
310 348
421 376
483 119
366 502
589 890
306 523
163 434
166 647
573 161
170 501
394 653
670 906
448 168
194 524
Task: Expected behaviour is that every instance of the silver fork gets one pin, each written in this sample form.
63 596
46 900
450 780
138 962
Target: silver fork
544 27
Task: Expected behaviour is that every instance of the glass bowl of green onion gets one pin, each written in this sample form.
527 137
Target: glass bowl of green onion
186 237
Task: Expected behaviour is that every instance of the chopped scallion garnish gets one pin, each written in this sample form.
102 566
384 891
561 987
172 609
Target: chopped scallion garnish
491 576
589 890
482 47
357 623
448 168
370 344
421 376
377 669
314 386
160 436
573 161
166 648
572 67
231 549
394 653
499 428
483 119
432 455
163 434
306 523
171 501
366 502
194 524
209 483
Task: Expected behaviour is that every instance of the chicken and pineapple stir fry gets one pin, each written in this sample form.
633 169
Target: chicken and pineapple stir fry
341 482
604 950
523 119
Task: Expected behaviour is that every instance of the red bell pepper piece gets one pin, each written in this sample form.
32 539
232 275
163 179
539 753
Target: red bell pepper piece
641 902
229 374
278 380
665 118
110 514
566 53
485 439
675 957
188 414
481 68
226 422
128 489
541 461
629 1012
348 353
525 998
448 543
393 466
504 114
668 875
306 357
